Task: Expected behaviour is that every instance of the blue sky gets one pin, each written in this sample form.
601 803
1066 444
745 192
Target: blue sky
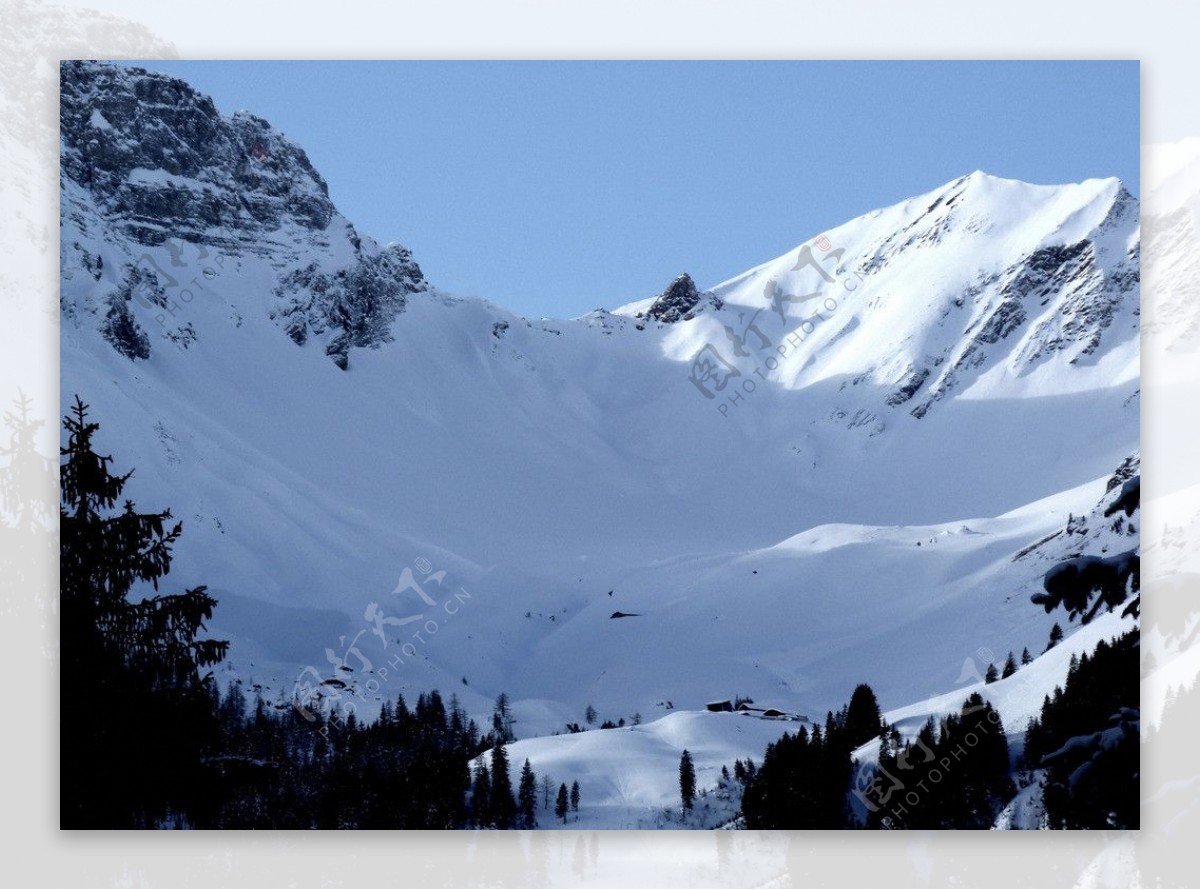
553 188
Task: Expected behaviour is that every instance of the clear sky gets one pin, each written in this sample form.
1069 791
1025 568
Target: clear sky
554 188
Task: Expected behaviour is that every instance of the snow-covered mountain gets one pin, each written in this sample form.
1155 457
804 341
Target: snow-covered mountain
849 464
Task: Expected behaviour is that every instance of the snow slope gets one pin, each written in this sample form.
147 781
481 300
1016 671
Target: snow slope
629 777
328 425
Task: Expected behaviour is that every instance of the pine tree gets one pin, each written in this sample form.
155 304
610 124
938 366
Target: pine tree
135 710
590 715
863 719
28 473
562 804
547 790
481 796
1010 667
502 720
991 676
1056 636
26 509
504 807
527 796
687 780
1026 658
575 796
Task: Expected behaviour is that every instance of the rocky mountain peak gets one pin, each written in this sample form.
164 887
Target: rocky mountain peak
152 174
158 157
676 302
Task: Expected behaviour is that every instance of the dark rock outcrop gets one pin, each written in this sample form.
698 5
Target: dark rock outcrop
676 302
151 167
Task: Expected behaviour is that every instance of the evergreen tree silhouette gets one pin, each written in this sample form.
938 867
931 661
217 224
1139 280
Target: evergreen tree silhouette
1056 636
687 780
481 797
504 807
135 713
27 473
527 796
863 720
1010 667
26 506
562 804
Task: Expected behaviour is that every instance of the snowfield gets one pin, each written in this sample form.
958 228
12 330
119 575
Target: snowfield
629 777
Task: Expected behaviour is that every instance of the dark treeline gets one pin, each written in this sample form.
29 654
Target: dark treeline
955 774
805 776
1087 735
407 769
148 740
1087 739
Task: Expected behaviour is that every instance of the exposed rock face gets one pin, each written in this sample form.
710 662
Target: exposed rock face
676 302
357 304
1056 299
156 156
148 162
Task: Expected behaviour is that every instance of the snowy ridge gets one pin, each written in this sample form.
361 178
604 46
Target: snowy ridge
1052 282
